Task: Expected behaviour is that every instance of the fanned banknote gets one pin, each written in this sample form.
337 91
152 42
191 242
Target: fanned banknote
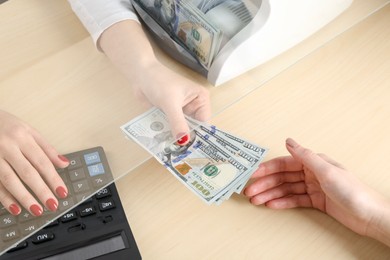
213 165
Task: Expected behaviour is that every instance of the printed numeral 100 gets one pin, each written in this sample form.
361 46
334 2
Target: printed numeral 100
201 188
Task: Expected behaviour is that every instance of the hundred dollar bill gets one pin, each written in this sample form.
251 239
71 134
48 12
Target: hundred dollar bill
206 167
246 152
206 5
186 25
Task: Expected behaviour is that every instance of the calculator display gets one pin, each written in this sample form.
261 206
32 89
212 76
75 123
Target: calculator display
94 250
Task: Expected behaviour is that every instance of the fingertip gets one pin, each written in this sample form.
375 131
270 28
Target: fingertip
298 151
64 159
258 172
291 143
62 192
271 205
305 156
36 210
255 201
182 139
52 204
248 192
14 209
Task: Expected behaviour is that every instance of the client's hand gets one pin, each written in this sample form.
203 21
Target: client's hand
27 159
306 179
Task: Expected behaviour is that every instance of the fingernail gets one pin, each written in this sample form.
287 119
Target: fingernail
61 192
63 158
14 209
51 204
183 139
36 210
290 142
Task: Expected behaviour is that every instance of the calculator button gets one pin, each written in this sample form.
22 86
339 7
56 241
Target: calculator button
80 186
29 227
84 198
87 211
92 158
77 174
77 227
106 205
96 169
65 204
69 217
10 234
25 216
7 221
99 182
74 163
42 237
105 192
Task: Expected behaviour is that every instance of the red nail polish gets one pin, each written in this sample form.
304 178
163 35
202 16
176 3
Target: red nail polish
51 204
14 209
63 158
61 192
183 140
36 210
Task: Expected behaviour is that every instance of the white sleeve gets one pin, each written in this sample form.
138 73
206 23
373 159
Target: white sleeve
98 15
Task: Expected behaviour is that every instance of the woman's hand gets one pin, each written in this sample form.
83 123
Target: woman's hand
130 51
27 162
175 95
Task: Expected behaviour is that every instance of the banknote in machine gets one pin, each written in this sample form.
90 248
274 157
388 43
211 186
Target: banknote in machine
200 36
163 12
186 25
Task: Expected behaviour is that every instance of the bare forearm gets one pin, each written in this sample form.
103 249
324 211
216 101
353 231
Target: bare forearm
127 46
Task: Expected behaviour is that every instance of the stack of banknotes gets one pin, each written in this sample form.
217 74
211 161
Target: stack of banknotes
187 25
213 164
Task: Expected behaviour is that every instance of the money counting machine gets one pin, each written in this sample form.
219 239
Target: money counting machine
273 27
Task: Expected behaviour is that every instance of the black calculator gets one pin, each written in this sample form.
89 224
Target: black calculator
95 229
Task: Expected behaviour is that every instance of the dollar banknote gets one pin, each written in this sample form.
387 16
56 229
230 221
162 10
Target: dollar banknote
209 165
206 5
187 25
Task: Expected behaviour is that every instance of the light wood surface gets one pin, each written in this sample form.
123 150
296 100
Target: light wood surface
330 95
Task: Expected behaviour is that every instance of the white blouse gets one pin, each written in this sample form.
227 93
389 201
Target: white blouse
98 15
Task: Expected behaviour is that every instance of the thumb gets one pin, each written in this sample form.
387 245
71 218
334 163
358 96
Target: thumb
178 124
309 159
